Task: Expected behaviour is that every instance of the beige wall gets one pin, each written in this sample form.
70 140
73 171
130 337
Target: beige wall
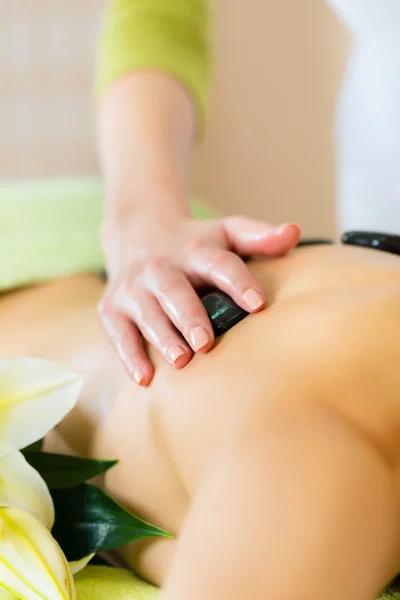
269 147
46 63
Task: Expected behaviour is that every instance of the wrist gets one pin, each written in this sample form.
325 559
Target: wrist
132 230
126 207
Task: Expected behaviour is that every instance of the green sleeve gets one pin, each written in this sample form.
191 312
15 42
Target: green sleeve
169 35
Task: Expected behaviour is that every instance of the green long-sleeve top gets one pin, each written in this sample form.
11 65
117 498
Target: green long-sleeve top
167 35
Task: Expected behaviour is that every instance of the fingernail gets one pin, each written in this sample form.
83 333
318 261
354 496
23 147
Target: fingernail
174 353
284 228
199 337
124 349
138 375
253 299
280 229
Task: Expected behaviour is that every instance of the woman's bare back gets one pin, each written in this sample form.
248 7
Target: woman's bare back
330 333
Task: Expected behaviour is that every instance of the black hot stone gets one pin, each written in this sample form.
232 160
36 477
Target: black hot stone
314 242
371 239
223 312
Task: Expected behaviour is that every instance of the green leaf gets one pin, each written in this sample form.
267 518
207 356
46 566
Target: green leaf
60 471
35 447
87 521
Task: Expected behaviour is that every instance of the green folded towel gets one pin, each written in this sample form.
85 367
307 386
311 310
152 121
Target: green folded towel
50 229
108 583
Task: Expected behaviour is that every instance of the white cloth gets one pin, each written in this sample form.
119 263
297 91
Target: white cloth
368 118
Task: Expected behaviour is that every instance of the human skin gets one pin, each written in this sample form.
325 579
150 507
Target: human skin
156 254
274 459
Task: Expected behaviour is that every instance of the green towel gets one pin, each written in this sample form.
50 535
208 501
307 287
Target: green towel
50 229
108 583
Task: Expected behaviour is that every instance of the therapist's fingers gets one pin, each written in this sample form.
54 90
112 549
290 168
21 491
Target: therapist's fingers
247 236
178 299
137 304
127 341
226 271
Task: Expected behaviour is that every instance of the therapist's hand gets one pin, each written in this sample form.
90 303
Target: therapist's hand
154 265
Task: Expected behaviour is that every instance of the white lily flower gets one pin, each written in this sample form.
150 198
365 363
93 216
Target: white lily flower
35 395
78 565
6 595
22 487
32 565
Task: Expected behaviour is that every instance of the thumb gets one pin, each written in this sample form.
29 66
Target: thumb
248 237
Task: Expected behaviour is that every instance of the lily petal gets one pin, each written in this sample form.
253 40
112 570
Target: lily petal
21 486
32 565
78 565
4 595
35 395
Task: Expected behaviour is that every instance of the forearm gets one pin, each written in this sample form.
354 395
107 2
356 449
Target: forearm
152 83
146 127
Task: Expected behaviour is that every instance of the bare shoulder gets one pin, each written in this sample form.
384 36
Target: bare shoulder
35 318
